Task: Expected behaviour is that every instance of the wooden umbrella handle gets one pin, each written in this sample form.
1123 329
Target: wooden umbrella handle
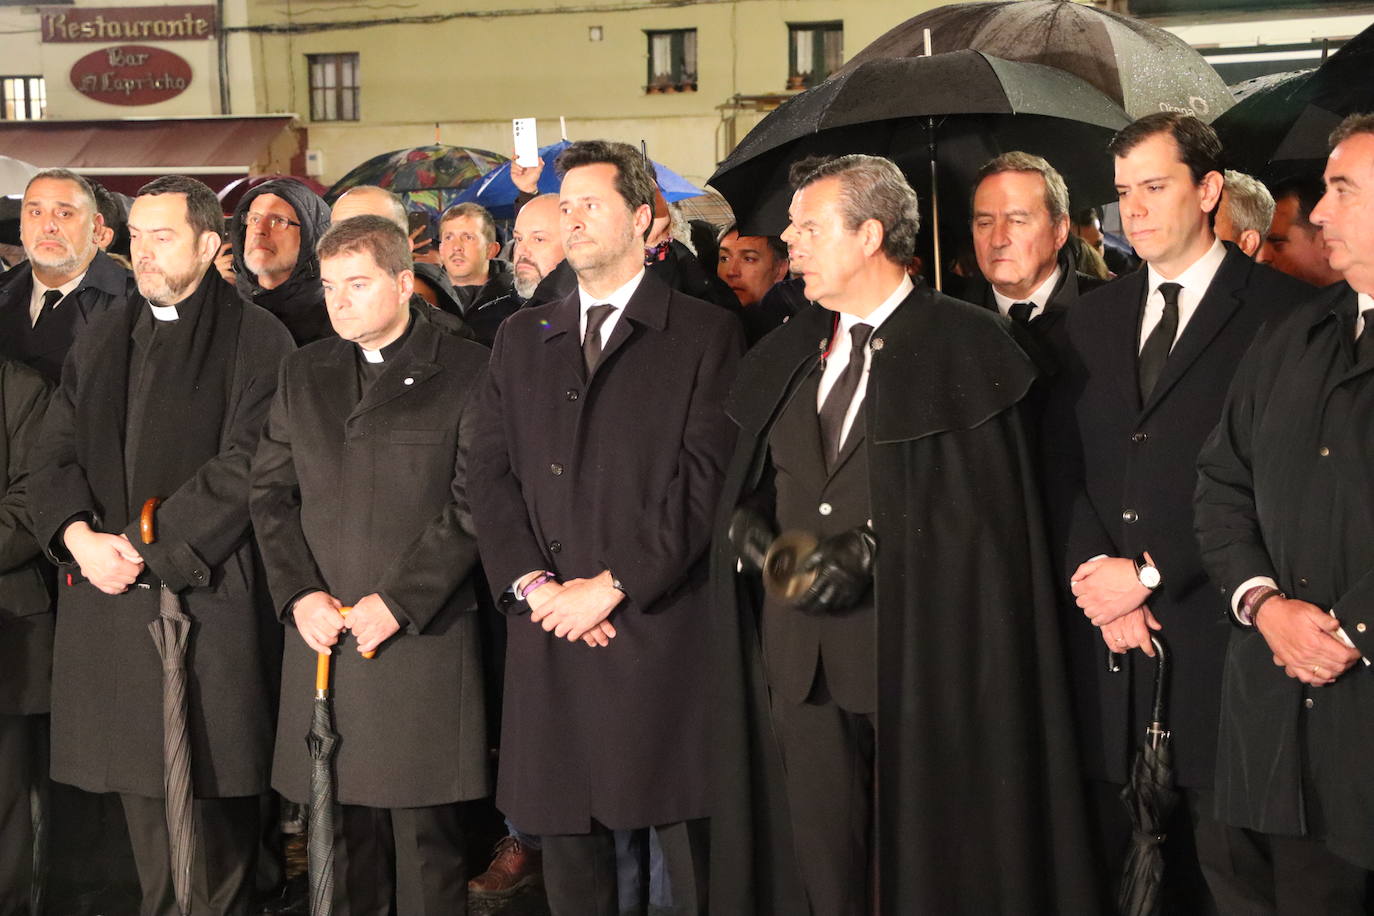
343 612
146 530
322 672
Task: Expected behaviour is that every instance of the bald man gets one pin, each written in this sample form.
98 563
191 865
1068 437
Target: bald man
538 251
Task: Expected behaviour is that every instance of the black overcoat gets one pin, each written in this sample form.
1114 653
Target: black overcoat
26 613
618 472
107 675
354 497
978 788
1127 473
1286 489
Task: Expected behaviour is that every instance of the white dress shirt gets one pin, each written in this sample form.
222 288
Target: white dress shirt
39 290
620 298
839 352
1194 281
1038 299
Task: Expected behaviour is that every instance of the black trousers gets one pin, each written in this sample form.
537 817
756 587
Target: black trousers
226 852
22 772
1270 875
407 858
827 757
580 870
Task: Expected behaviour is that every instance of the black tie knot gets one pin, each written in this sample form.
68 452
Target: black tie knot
51 298
1170 293
1021 312
1155 352
591 341
858 340
841 396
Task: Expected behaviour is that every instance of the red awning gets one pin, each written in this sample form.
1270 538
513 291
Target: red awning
139 146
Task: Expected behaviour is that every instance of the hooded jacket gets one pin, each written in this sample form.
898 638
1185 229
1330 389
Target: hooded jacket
299 302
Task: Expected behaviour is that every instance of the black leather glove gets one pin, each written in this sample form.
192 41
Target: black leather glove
752 534
843 564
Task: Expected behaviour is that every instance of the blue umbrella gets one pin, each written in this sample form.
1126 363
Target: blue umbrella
497 192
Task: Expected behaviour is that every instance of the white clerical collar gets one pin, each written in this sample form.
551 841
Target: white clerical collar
1199 274
620 298
372 356
875 318
164 312
1040 298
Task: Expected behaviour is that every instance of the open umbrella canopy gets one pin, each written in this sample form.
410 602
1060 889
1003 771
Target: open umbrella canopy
15 175
1281 127
230 195
497 192
1141 67
427 176
966 106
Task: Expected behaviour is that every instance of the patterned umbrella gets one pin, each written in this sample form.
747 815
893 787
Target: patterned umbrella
497 192
428 177
171 631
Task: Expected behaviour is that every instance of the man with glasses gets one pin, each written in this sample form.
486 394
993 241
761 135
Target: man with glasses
273 234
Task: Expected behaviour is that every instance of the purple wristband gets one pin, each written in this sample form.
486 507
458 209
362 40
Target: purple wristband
534 583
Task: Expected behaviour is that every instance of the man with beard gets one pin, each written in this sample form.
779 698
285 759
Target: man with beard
885 420
360 499
467 251
66 281
164 397
1294 244
538 251
273 233
595 468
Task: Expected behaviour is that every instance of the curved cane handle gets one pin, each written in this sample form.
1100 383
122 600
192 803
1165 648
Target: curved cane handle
146 529
343 612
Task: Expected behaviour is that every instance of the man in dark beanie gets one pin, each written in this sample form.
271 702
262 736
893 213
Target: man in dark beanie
273 234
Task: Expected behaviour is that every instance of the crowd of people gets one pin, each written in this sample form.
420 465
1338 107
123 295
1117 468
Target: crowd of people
746 574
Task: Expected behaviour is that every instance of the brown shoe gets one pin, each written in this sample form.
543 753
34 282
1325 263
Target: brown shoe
512 867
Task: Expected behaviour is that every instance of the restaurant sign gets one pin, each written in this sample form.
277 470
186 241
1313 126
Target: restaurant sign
127 23
131 75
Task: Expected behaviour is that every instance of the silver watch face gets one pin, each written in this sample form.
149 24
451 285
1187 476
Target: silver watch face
1149 577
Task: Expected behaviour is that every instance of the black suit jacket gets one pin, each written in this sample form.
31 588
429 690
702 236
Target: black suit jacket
1128 471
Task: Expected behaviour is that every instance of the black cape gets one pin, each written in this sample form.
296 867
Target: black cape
980 807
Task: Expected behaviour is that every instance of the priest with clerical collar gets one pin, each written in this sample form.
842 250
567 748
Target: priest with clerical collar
359 502
164 396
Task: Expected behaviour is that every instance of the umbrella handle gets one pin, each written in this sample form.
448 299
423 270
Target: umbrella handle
343 612
146 530
322 673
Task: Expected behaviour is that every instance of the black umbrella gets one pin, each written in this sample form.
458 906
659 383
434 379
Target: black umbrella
1150 797
1141 67
171 632
320 836
1281 127
939 118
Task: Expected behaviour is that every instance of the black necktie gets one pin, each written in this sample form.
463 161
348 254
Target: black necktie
1021 312
50 300
842 393
1155 353
1364 344
591 341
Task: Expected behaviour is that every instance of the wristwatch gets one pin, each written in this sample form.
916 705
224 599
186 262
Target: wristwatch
1147 573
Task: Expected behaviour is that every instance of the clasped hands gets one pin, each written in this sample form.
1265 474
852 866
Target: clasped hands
577 609
320 623
1108 590
1304 642
108 561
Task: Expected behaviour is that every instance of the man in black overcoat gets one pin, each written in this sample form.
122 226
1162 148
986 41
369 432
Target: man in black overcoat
26 626
1284 517
601 445
66 281
360 500
1151 356
914 692
164 397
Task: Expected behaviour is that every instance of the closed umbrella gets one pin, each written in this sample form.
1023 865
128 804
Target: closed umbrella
171 632
1149 798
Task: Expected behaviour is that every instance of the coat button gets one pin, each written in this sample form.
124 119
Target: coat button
1307 702
556 469
1129 516
408 381
1303 582
1324 452
572 394
1360 628
825 508
1139 437
555 546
